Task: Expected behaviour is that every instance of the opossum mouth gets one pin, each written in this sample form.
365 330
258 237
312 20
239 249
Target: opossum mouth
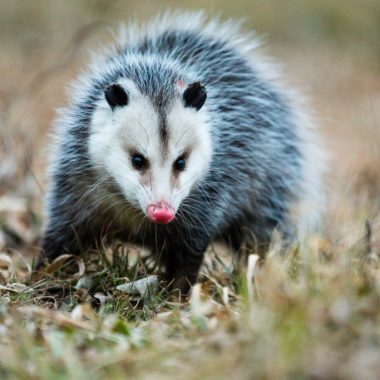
160 213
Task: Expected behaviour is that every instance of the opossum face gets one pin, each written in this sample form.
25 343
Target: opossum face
156 156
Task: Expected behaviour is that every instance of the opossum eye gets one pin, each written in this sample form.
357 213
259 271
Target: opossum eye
116 96
195 96
179 164
139 162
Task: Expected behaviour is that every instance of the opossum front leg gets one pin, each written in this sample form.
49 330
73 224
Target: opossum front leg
64 239
182 268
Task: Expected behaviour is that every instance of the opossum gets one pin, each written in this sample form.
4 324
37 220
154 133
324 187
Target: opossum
180 135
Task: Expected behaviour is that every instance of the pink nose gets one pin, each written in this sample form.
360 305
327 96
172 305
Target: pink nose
160 213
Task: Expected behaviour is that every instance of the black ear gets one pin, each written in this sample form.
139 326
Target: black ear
116 96
195 96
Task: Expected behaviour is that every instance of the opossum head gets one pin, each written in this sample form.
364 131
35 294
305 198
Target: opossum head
156 156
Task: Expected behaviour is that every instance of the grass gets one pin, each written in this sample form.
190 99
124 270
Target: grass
313 314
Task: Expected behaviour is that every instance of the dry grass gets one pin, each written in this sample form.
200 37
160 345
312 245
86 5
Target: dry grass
314 314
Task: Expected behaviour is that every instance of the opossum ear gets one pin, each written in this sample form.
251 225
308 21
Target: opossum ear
116 96
195 96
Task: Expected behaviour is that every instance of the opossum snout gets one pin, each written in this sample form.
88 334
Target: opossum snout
160 213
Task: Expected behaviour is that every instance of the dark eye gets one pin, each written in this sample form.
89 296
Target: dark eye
179 164
139 162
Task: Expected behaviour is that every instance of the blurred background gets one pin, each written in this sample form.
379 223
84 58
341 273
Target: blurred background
330 50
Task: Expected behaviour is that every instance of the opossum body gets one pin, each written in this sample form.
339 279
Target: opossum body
179 136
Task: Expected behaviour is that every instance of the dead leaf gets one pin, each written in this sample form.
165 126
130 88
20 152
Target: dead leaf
62 260
6 263
142 286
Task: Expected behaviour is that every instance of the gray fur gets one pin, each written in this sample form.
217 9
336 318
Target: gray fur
258 166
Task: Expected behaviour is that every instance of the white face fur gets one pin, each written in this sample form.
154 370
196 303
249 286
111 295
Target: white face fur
118 134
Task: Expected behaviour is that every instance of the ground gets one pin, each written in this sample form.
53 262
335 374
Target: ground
312 314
